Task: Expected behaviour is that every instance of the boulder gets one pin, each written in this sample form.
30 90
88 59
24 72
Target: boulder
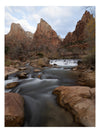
11 85
37 70
39 76
22 75
22 68
14 110
10 70
74 69
80 101
87 78
6 77
43 62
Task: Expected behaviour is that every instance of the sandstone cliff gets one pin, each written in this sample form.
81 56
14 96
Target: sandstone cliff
17 33
76 41
45 35
17 41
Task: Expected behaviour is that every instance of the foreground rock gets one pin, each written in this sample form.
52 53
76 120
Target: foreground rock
11 85
80 101
14 110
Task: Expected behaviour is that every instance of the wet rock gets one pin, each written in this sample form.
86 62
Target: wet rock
74 69
11 85
39 76
10 70
37 70
22 68
80 101
22 75
14 110
6 77
80 62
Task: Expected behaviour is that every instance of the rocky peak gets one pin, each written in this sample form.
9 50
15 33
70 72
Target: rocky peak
44 28
17 32
45 34
15 26
18 37
16 29
86 16
78 34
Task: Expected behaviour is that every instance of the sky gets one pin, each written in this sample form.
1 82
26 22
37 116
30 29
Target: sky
62 19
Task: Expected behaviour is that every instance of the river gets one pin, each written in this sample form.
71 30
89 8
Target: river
41 108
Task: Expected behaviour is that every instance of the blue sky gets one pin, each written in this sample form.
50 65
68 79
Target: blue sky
62 19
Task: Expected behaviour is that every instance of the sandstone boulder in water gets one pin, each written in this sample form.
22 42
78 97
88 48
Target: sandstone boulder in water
21 75
80 101
11 85
37 70
14 110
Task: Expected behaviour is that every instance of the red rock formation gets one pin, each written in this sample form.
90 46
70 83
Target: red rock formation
17 41
17 34
45 35
78 36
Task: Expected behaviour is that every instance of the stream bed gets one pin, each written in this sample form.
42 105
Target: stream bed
41 108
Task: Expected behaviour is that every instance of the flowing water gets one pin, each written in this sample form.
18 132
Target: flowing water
41 108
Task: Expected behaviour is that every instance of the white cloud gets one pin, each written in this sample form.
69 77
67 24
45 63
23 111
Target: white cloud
8 9
36 17
9 19
55 12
